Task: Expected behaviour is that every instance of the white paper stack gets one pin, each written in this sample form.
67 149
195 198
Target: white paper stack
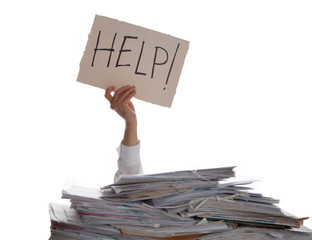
173 205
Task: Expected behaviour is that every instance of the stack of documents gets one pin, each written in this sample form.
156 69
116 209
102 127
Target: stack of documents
175 205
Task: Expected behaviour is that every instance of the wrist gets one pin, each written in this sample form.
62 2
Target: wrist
131 124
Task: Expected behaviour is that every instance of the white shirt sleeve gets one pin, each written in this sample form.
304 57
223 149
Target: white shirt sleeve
129 161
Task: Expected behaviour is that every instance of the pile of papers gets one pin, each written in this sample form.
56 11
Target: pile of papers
175 205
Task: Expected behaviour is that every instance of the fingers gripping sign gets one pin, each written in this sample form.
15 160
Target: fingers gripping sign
120 101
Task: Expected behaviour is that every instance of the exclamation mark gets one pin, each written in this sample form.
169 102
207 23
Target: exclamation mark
175 54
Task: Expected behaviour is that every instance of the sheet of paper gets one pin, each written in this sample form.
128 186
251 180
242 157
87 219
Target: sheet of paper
119 53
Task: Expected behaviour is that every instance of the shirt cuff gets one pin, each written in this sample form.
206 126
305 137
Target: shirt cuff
129 155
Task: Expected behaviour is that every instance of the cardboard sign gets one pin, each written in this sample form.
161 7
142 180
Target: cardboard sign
119 53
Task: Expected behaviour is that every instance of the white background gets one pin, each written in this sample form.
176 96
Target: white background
244 99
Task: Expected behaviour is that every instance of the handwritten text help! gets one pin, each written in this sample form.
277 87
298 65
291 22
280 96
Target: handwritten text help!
118 53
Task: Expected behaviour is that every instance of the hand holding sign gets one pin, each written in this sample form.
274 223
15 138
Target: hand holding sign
121 103
118 51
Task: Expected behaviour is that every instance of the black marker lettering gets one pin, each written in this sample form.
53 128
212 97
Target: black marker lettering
158 63
137 66
175 54
103 49
124 50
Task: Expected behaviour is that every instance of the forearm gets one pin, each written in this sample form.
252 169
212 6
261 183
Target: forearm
131 134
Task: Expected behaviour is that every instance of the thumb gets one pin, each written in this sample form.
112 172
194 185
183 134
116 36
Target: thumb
108 93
